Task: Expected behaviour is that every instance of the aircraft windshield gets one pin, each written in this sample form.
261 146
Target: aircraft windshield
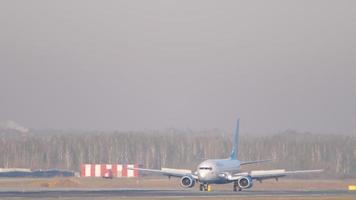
206 168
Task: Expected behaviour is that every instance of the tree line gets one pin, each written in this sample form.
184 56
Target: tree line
176 149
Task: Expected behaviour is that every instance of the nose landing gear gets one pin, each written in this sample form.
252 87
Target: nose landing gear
236 187
204 187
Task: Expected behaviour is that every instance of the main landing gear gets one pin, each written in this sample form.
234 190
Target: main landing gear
204 187
236 187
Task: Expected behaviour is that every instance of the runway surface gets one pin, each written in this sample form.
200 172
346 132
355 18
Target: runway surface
171 193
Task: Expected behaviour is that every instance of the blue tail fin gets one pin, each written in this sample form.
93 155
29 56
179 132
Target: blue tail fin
235 142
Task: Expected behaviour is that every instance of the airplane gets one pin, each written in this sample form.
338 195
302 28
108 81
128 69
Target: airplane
224 171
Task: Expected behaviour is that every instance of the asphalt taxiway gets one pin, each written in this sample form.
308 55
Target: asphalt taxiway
171 193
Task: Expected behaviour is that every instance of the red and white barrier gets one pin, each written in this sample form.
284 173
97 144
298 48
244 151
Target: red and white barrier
99 170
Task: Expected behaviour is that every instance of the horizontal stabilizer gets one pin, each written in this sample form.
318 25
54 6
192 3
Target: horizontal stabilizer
254 162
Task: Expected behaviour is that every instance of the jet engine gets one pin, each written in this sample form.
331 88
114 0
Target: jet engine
245 182
187 181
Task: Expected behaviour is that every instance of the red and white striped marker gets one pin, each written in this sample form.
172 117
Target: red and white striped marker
99 170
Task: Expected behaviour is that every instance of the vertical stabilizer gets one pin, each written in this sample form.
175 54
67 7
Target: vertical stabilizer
235 142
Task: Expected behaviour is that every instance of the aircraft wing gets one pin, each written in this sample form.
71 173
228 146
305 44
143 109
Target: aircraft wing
169 172
268 174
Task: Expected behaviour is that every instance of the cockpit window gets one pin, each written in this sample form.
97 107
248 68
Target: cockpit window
206 168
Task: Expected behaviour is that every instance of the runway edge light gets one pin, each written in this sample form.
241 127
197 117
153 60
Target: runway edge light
352 187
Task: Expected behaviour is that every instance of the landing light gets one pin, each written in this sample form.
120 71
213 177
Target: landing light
223 175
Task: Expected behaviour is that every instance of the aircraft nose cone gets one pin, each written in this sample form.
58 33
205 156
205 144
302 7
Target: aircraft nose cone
202 174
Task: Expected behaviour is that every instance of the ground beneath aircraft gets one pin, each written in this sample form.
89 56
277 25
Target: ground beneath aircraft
157 188
175 194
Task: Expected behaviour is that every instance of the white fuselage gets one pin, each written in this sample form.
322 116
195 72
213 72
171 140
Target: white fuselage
213 171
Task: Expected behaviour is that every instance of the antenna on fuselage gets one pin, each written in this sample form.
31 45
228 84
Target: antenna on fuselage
235 142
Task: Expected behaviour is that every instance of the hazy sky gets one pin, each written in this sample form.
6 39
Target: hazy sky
131 65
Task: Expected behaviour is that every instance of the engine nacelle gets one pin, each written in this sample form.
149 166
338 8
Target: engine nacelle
245 182
187 181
